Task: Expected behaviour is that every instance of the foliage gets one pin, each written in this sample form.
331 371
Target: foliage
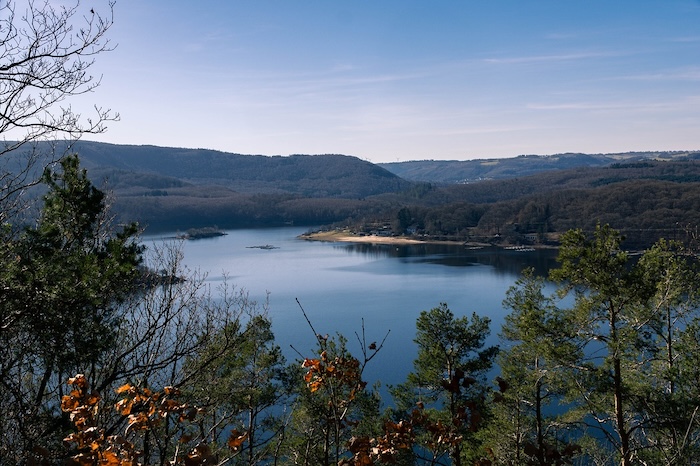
629 318
76 299
603 371
334 415
538 345
62 283
243 387
145 411
447 385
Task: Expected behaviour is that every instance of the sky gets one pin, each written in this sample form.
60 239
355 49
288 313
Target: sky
400 80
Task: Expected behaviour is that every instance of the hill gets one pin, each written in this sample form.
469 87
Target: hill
174 188
328 175
469 171
645 200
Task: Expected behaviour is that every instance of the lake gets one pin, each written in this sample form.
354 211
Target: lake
341 284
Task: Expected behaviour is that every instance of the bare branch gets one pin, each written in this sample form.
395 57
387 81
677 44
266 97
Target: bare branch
46 53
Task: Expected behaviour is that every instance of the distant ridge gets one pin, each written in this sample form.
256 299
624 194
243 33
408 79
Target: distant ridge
469 171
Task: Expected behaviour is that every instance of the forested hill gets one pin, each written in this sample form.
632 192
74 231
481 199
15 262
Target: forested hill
468 171
331 176
170 188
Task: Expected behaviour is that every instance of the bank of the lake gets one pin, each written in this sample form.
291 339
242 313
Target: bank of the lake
345 236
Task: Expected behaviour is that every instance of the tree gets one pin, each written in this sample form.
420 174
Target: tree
671 400
403 220
333 407
78 298
62 286
46 53
178 332
243 389
610 318
448 380
538 345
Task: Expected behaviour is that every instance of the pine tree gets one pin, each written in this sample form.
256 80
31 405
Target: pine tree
64 279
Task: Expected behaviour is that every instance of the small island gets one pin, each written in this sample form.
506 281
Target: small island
201 233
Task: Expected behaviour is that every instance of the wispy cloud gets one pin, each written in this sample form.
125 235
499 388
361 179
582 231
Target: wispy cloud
577 106
690 101
561 36
552 58
682 74
685 39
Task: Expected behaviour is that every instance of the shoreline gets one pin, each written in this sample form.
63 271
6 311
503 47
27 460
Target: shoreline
347 237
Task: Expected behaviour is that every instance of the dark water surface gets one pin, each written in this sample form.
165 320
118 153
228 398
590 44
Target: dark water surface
340 284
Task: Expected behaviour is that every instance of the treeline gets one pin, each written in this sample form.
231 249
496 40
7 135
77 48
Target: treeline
167 189
207 206
645 201
111 354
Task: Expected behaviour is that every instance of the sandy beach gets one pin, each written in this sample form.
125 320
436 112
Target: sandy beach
348 237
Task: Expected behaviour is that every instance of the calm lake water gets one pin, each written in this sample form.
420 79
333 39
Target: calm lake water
341 284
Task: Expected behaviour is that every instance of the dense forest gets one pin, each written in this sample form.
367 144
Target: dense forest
112 354
644 200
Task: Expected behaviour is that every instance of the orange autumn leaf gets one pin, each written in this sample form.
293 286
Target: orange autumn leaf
109 458
314 386
171 391
310 363
78 380
69 403
171 405
124 406
124 388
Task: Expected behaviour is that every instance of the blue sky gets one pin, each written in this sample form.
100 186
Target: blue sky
403 79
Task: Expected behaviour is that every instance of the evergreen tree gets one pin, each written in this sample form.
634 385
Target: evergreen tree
332 406
610 318
671 399
448 384
243 388
538 345
63 281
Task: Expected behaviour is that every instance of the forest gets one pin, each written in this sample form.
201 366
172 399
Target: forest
645 196
113 354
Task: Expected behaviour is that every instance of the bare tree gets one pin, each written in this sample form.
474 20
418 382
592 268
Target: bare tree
46 52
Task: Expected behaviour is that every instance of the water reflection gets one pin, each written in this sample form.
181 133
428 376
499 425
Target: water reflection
504 261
